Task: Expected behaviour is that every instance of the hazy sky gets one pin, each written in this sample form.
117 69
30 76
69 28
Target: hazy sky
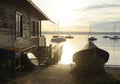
79 15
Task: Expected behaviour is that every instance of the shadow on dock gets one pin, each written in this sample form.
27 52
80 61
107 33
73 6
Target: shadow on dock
29 67
110 76
63 74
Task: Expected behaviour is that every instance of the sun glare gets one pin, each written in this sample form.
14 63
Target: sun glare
65 13
66 18
67 54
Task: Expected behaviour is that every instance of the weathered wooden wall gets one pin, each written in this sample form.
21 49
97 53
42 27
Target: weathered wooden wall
8 9
7 24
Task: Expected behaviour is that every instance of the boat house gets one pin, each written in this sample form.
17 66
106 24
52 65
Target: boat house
20 31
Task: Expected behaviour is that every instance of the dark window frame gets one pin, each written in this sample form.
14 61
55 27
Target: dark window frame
19 25
34 28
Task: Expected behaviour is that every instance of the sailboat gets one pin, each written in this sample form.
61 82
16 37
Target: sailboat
115 37
69 36
91 38
105 36
57 38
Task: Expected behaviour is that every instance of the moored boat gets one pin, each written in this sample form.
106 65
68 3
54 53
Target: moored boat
115 37
105 36
58 39
90 59
92 38
69 37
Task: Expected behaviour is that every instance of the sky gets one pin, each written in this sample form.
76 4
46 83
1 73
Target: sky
80 15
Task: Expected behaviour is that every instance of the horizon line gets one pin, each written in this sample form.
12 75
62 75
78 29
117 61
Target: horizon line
75 32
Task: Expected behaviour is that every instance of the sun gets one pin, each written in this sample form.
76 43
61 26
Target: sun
65 18
65 13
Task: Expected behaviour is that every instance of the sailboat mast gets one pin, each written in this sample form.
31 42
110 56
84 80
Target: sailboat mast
114 29
58 27
90 32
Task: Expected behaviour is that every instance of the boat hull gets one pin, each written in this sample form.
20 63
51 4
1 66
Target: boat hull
58 39
91 59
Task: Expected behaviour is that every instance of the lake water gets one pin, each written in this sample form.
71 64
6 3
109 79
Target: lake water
79 41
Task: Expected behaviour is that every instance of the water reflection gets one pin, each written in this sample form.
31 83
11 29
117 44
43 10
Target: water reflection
68 51
73 45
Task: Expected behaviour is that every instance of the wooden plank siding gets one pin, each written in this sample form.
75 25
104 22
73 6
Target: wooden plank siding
7 24
8 40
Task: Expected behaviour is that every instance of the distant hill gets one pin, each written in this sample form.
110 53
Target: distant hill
84 33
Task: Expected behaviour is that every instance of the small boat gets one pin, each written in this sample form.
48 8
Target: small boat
92 38
58 39
55 36
90 58
69 37
115 37
105 36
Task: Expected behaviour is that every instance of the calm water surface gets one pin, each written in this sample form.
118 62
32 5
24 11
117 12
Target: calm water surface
79 41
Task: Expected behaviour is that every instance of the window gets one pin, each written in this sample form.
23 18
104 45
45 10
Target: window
34 28
19 25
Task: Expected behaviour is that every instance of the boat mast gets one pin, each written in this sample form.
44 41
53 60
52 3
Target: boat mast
58 28
114 29
90 32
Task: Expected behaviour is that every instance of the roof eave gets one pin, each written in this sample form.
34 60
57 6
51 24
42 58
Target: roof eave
39 10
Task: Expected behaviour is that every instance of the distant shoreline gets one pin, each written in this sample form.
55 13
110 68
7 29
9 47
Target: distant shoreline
108 65
82 33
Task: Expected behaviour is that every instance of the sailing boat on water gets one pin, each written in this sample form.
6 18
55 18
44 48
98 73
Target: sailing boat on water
69 36
106 36
115 37
91 38
57 38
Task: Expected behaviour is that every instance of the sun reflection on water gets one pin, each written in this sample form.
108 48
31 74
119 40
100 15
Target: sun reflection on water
67 54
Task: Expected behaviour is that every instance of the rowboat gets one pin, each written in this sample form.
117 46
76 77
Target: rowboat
90 58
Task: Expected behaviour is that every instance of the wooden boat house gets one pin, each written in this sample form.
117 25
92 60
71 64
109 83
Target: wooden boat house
20 31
